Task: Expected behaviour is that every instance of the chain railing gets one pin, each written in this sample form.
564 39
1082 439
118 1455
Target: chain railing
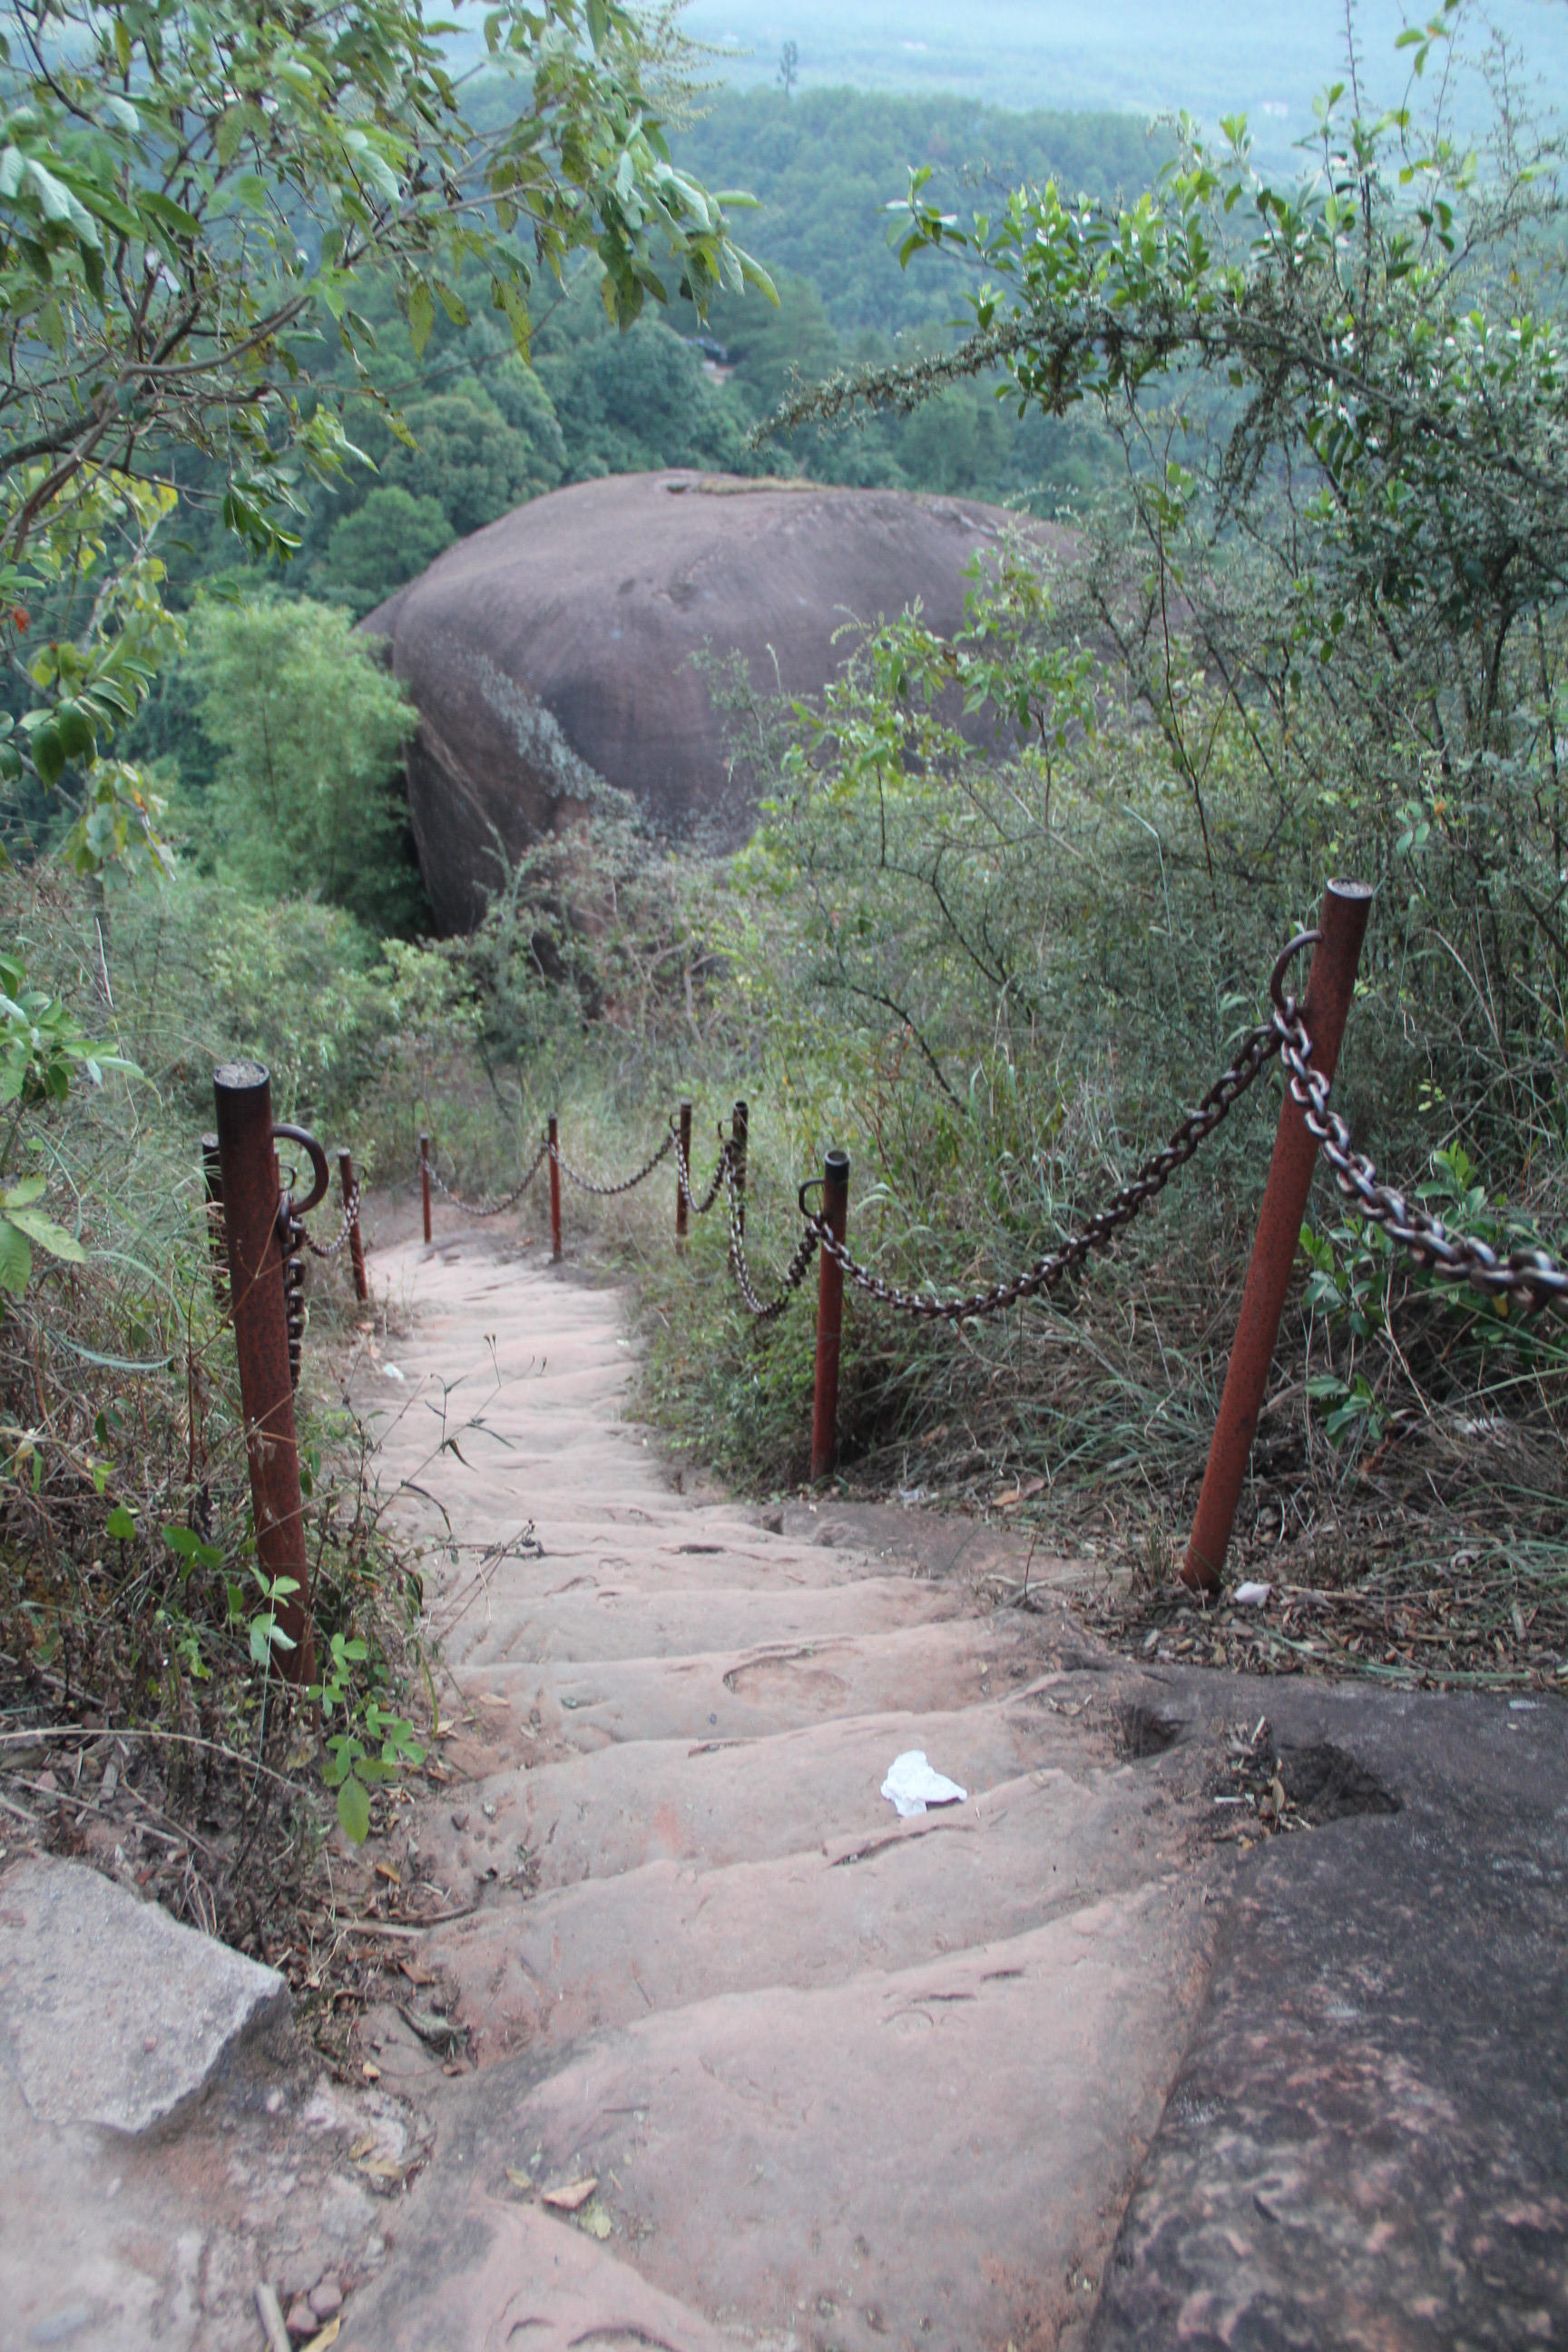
683 1171
611 1191
1529 1274
480 1209
1260 1049
1305 1034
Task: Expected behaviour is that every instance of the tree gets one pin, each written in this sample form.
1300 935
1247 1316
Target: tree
307 801
789 67
1335 580
391 539
189 200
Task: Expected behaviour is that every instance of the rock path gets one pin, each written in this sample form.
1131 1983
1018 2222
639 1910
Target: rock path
712 2050
842 2079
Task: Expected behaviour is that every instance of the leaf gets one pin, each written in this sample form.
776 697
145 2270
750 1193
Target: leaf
120 1524
572 2194
16 1258
329 2335
49 1235
354 1809
49 753
23 1193
421 316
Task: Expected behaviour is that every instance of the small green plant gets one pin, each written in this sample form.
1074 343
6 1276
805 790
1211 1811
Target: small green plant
367 1726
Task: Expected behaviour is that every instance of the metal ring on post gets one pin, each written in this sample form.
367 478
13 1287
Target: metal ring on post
318 1164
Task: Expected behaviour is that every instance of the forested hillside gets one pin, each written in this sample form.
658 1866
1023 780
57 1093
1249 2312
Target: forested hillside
475 432
824 164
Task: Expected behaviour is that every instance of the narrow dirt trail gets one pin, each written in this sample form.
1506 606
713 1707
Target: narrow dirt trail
843 2080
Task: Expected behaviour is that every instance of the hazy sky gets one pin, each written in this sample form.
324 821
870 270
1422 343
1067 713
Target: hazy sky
1266 59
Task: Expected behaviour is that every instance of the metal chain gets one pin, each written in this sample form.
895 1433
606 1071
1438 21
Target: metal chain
1528 1273
701 1208
1257 1051
487 1208
795 1274
291 1236
339 1239
608 1191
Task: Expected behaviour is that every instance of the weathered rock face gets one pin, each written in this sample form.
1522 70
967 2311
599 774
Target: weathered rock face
556 645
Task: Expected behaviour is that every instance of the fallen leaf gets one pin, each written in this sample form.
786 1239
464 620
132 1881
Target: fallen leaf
493 1698
595 2221
371 2073
381 2168
415 1973
384 1870
519 2180
361 2147
1005 1502
567 2199
1032 1487
329 2335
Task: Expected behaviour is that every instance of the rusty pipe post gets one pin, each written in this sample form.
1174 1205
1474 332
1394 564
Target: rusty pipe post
553 1132
739 1131
1330 988
425 1180
252 1199
680 1183
356 1247
829 1318
212 1171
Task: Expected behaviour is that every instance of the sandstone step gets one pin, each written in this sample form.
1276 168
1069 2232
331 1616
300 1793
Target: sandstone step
607 1952
478 2270
923 2158
711 1802
754 1692
590 1623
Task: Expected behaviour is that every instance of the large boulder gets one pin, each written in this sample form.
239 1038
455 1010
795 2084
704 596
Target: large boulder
556 645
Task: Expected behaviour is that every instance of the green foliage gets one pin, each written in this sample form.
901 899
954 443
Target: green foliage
42 1045
823 165
21 1224
374 1745
311 733
392 538
190 208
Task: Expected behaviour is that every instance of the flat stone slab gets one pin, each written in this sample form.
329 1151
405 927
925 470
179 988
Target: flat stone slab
1367 2145
111 2012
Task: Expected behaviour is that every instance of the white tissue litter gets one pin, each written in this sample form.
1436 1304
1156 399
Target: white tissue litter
391 1373
911 1785
1251 1596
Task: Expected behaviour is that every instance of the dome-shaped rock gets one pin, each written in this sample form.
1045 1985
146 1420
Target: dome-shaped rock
561 637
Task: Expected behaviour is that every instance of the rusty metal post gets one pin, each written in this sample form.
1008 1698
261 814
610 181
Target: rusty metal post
356 1247
679 1186
829 1318
213 1171
251 1198
424 1180
553 1132
1342 925
739 1130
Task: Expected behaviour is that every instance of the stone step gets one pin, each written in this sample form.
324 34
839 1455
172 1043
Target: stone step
923 2158
710 1802
590 1623
756 1693
609 1952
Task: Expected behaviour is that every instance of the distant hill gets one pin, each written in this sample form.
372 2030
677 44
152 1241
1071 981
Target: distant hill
1267 59
824 162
